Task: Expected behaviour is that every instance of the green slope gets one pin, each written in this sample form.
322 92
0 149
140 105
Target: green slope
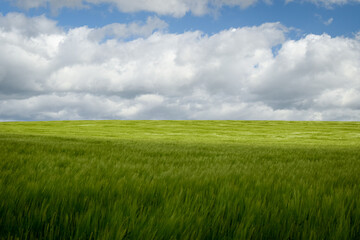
179 180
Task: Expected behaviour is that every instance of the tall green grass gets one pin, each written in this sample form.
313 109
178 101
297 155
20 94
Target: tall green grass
179 180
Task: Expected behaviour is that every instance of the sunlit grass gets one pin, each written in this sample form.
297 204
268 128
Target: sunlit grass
180 180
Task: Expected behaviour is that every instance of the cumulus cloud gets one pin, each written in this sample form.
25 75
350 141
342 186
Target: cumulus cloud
175 8
27 27
93 73
123 31
305 70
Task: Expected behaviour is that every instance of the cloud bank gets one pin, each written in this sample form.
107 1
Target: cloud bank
47 73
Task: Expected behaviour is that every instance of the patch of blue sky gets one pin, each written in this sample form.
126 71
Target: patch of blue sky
303 18
95 17
275 49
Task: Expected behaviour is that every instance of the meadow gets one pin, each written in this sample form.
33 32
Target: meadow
179 180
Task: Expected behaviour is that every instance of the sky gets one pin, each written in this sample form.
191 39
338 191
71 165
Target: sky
180 59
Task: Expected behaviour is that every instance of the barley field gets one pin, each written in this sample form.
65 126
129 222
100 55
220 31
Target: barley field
179 180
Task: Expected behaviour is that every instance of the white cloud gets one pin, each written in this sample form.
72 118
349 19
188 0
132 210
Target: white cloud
339 98
49 73
117 30
325 22
27 27
304 69
329 21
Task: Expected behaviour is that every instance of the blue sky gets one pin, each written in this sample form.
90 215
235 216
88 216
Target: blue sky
306 17
180 59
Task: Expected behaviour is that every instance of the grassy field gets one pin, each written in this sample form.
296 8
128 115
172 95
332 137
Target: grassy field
179 180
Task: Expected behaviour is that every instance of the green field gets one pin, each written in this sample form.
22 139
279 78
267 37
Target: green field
179 180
